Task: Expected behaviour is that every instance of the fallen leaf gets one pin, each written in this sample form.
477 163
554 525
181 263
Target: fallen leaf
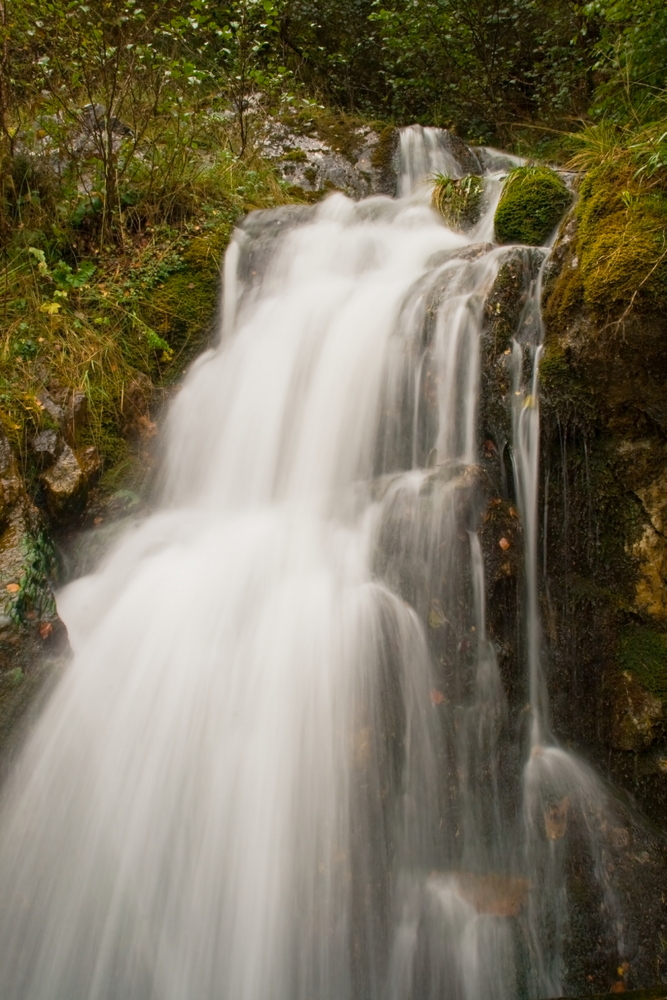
437 697
504 544
45 629
618 987
13 588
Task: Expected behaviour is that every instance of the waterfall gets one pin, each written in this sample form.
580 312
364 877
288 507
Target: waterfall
281 765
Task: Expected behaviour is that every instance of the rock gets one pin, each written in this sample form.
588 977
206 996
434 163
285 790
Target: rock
11 484
637 715
46 447
492 895
650 553
466 158
66 482
364 163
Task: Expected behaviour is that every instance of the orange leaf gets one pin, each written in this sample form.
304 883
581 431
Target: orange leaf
13 588
45 629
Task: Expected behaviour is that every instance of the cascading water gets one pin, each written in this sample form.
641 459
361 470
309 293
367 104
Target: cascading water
280 765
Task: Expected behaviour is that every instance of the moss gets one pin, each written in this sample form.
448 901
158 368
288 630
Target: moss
623 252
382 157
564 390
296 156
181 309
532 203
343 132
643 652
459 201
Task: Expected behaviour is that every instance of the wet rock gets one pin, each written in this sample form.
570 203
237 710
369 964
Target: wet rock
638 715
11 485
650 552
492 895
466 158
556 819
504 315
46 447
67 481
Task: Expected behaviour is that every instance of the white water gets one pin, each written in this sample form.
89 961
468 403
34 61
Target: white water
272 770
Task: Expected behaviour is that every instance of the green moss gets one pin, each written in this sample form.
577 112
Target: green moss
643 652
532 203
181 309
296 156
623 252
382 157
459 201
563 388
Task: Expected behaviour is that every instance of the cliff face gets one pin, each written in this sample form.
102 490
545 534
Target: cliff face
604 482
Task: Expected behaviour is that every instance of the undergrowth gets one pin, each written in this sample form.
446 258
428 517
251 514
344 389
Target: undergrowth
78 314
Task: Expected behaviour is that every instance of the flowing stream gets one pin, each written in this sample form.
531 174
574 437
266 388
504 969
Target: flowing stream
280 764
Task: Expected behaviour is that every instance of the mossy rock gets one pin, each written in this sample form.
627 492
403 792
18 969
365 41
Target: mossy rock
459 201
621 241
643 652
531 206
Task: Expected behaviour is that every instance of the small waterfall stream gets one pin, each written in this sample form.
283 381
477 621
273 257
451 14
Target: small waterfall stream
281 764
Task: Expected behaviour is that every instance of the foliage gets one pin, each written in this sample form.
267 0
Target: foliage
532 204
631 54
80 317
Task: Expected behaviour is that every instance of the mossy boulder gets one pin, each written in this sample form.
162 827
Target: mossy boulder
532 204
459 201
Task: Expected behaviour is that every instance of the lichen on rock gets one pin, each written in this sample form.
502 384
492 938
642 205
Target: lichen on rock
532 204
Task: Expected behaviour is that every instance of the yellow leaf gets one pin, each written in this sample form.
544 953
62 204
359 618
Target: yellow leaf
50 307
